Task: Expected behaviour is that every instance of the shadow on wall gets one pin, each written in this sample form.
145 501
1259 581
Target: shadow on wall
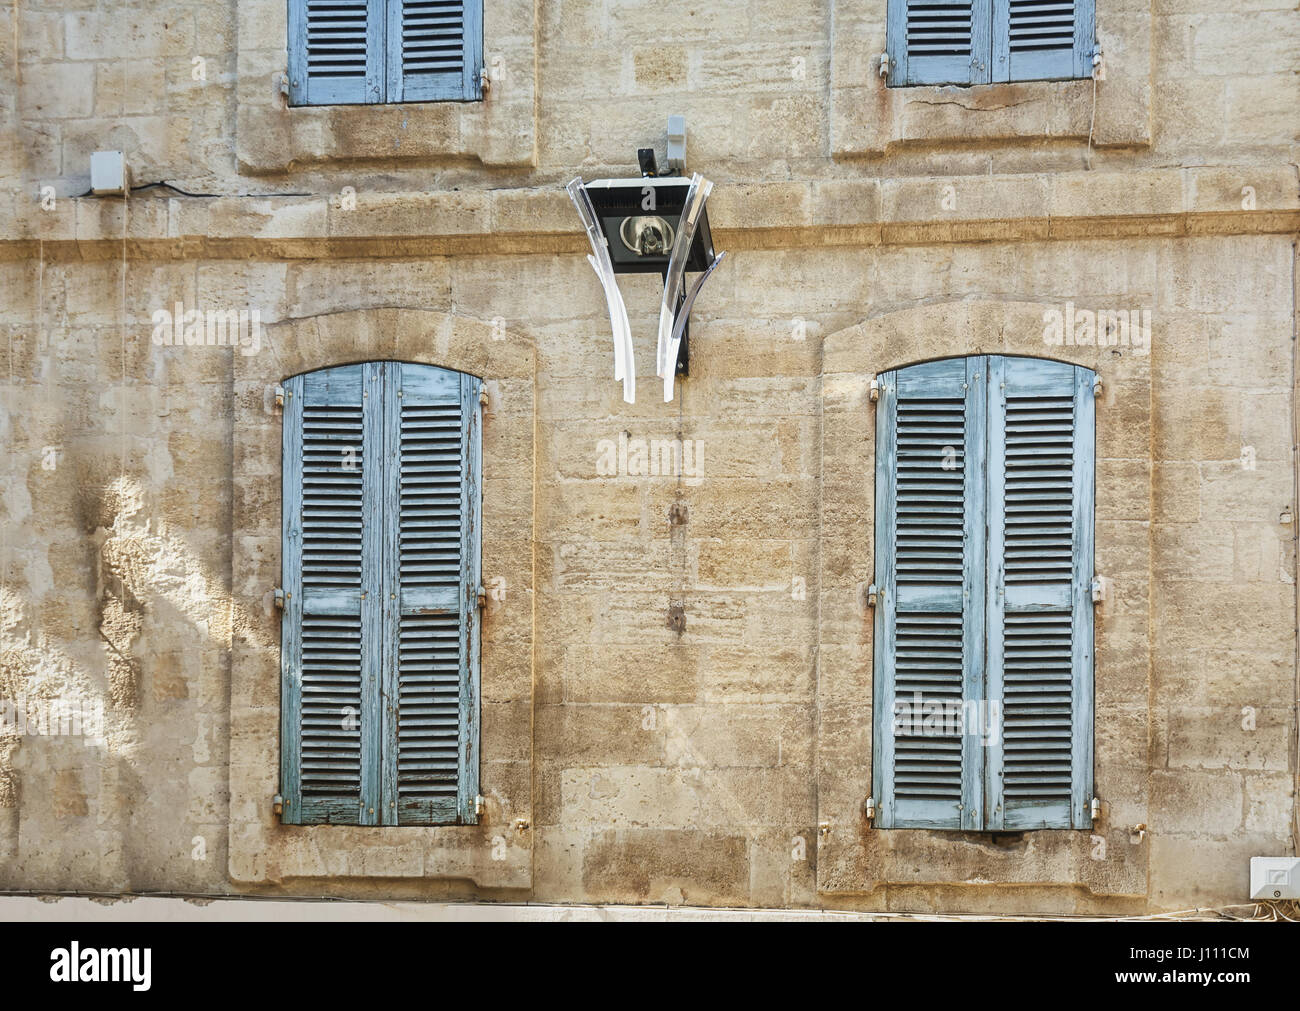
106 762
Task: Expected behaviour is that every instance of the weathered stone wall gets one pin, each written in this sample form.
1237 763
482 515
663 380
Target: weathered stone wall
626 762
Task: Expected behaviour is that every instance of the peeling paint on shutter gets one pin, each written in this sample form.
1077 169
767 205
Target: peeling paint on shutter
929 631
938 41
336 53
435 50
437 508
1042 39
329 757
1040 514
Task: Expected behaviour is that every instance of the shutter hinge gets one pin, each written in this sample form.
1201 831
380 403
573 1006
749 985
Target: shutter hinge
1094 809
1099 589
279 396
884 64
484 82
277 805
483 397
482 597
279 598
480 804
869 809
872 595
875 389
1096 387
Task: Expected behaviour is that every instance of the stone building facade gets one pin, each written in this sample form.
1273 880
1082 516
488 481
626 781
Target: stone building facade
623 759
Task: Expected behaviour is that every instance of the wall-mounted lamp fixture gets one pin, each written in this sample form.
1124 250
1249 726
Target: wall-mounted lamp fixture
654 224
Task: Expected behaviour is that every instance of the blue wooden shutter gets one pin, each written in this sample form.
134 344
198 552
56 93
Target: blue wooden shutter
930 604
330 642
1041 464
938 41
381 514
336 52
435 50
1037 40
433 683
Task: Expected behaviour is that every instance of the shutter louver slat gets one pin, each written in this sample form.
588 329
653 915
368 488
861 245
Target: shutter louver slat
433 36
1039 468
332 504
429 720
430 498
928 669
336 38
1036 705
939 28
931 444
929 553
1037 26
431 647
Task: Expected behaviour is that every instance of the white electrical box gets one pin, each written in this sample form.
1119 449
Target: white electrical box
108 173
1274 878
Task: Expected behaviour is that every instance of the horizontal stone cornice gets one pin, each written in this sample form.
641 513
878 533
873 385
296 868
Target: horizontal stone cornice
1228 200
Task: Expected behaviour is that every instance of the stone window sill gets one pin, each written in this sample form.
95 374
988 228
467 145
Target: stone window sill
869 119
499 130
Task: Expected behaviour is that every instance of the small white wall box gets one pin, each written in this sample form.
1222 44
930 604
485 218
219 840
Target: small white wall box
108 173
1274 878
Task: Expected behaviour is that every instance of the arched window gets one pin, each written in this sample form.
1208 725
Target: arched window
379 642
984 568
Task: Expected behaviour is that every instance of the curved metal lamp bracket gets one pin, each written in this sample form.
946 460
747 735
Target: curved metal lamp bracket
679 328
624 366
675 309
